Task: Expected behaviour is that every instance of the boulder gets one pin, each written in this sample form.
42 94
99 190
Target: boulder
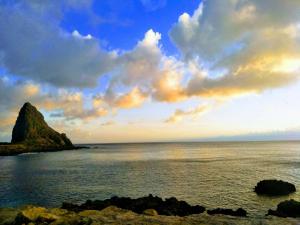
239 212
288 208
274 188
169 206
150 212
8 215
42 216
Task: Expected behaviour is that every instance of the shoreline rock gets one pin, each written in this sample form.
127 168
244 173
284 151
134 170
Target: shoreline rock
240 212
17 149
288 208
112 215
274 188
169 207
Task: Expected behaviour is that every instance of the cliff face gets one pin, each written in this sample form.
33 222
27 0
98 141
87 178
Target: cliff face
31 129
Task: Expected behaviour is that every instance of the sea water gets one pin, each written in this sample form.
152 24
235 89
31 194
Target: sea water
209 174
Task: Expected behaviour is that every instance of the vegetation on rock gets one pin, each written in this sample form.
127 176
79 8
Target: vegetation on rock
30 215
31 133
31 128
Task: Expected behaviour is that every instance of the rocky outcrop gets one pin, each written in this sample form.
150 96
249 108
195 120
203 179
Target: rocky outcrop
239 212
274 188
169 206
30 215
31 128
289 208
31 133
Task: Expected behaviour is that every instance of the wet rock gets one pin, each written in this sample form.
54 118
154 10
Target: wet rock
169 206
239 212
30 214
150 212
274 188
7 216
289 208
43 216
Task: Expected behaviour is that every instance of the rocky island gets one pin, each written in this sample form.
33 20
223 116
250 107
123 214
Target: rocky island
274 188
31 133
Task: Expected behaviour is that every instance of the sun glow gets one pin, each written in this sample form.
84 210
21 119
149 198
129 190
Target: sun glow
288 65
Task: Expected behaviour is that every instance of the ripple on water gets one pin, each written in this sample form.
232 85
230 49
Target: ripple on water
209 174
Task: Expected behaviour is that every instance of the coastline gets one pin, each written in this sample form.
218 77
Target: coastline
17 149
113 215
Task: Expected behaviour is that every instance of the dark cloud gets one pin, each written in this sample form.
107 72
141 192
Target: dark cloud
32 45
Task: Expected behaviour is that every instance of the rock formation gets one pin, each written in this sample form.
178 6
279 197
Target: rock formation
31 133
288 208
239 212
274 188
169 207
29 215
31 128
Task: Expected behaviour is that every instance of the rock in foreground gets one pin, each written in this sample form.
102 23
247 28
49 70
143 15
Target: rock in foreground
274 188
114 215
168 207
289 208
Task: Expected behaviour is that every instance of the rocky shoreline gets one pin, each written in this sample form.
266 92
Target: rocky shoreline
145 210
17 149
35 215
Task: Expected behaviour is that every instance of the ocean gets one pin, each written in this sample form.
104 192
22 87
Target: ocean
221 174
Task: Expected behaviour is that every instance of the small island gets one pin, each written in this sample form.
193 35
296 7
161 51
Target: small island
31 133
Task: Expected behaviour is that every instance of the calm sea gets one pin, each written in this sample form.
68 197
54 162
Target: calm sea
209 174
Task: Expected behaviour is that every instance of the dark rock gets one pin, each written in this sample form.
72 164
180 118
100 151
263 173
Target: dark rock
169 207
274 188
239 212
31 133
21 219
31 128
288 208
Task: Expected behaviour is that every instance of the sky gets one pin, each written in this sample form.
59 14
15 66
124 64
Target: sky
153 70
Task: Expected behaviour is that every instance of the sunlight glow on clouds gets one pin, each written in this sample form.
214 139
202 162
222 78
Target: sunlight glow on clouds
180 114
227 49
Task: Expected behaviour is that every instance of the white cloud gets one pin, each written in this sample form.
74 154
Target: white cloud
246 40
180 114
229 48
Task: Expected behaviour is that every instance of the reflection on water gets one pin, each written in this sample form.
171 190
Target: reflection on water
210 174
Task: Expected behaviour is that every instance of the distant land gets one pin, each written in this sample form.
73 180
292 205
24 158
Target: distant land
31 133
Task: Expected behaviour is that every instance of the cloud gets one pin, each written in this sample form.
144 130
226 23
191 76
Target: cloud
179 114
33 46
130 100
229 48
108 123
147 68
68 105
238 45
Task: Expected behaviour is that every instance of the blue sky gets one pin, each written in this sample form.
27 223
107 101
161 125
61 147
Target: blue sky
153 70
122 23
